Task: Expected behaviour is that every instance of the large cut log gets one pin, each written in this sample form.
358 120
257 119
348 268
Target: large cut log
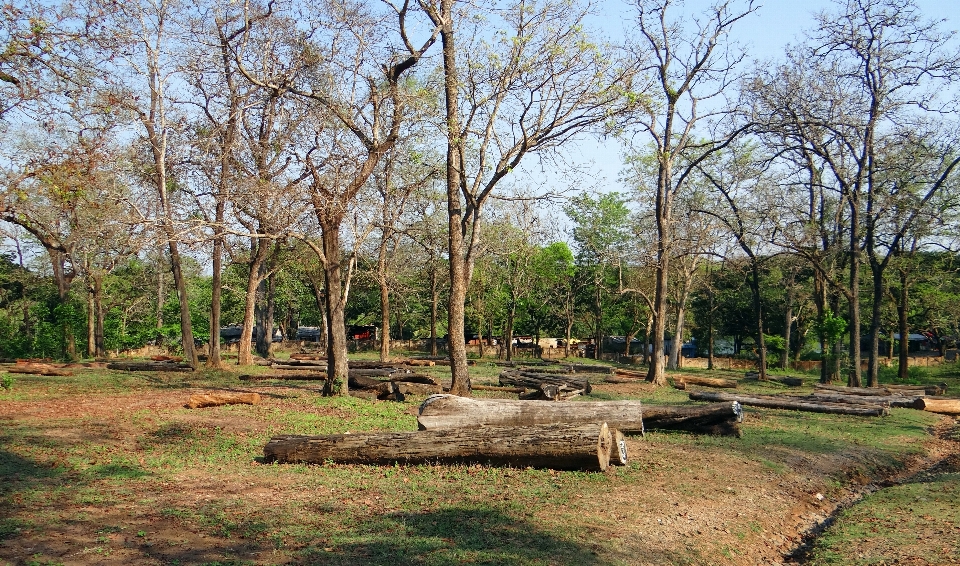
217 399
309 357
590 368
497 388
415 378
942 406
297 362
683 380
356 381
563 447
870 391
791 403
720 419
630 373
533 380
450 411
903 401
421 363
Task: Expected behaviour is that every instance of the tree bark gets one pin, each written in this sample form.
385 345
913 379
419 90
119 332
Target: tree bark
337 367
565 447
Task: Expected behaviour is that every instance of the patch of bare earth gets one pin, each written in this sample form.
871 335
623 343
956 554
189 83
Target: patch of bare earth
697 504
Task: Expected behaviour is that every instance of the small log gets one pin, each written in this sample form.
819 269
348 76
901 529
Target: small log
942 406
498 388
786 380
363 382
39 369
791 403
299 363
903 401
389 391
618 455
302 356
563 447
705 381
862 391
421 363
629 373
590 368
285 376
217 399
720 419
450 411
373 372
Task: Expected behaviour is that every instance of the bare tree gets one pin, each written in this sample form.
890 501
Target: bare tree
691 68
527 80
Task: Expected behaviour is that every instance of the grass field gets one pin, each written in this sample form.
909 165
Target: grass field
109 468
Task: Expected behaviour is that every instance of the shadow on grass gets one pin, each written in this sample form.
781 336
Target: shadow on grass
452 536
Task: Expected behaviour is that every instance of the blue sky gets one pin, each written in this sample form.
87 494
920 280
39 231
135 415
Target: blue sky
764 34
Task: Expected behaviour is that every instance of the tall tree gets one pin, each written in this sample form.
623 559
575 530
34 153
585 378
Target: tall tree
691 68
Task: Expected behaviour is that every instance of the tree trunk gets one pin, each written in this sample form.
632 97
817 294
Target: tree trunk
186 325
508 333
565 447
244 346
99 333
216 293
91 323
433 311
676 346
337 368
384 301
63 279
903 307
758 317
854 379
787 323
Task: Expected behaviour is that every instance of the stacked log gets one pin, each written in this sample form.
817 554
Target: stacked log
32 368
534 380
928 389
226 398
563 447
792 403
787 380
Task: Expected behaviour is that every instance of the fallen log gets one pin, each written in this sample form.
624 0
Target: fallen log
439 412
705 382
861 391
533 380
413 388
302 356
590 368
149 366
285 376
902 401
421 363
497 388
299 362
563 447
356 381
929 389
791 403
201 400
39 369
719 419
629 373
942 406
416 378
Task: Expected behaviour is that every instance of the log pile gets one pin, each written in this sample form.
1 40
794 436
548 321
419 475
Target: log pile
545 386
562 447
793 403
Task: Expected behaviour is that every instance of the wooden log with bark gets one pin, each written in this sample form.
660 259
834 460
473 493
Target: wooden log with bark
303 356
630 417
46 370
450 411
786 380
903 401
563 447
533 380
421 363
881 391
498 388
719 419
791 403
201 400
285 376
681 382
415 378
928 389
413 388
148 366
629 373
942 406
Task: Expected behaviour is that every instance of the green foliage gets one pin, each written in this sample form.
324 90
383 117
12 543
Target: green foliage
830 327
6 382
